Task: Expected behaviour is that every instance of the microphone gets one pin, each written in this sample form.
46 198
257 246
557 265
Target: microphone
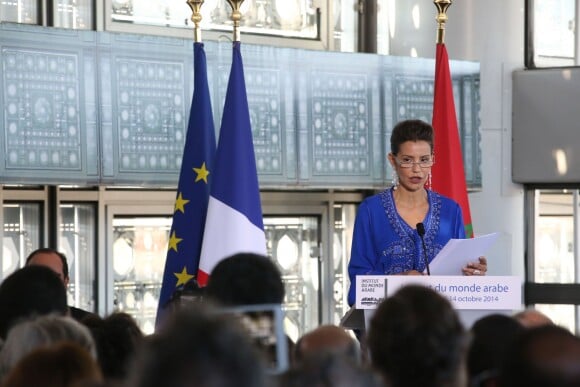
421 232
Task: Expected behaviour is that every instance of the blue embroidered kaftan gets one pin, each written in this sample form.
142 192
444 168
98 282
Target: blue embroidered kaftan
384 244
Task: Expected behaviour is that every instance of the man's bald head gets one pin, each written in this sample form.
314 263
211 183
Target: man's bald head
531 318
53 259
326 340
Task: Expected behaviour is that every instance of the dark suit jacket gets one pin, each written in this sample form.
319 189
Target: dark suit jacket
79 314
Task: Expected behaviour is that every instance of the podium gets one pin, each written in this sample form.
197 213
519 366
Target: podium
472 296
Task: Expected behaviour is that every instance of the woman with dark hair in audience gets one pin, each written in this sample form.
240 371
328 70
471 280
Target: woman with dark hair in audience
117 339
416 340
30 291
491 336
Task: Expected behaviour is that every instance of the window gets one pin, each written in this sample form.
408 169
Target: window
21 234
303 21
74 14
552 284
292 18
19 11
78 242
551 33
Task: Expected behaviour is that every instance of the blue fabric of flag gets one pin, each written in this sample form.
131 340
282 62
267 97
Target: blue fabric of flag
186 235
236 183
234 219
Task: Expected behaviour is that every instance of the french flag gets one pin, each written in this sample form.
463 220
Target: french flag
234 221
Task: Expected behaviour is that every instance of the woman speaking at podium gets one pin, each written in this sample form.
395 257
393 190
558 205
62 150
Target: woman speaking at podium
392 226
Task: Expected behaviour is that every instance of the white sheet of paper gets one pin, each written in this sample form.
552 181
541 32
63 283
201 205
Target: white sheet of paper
457 253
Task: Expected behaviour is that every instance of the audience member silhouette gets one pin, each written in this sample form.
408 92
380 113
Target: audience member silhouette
117 339
330 370
245 279
491 336
41 332
325 340
196 348
248 279
62 365
416 339
57 262
544 356
30 291
530 318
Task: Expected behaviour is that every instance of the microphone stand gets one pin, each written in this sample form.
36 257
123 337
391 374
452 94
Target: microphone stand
421 232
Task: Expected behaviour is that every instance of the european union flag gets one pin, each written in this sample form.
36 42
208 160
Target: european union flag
186 235
234 216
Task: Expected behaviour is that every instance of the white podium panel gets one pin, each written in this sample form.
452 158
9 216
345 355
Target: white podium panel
472 296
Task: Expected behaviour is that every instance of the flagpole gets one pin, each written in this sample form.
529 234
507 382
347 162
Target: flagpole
236 17
195 6
441 18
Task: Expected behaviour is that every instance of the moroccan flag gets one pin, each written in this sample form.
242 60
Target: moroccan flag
193 190
234 221
448 172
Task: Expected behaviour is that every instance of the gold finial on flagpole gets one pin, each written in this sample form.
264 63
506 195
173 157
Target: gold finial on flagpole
441 18
236 17
195 6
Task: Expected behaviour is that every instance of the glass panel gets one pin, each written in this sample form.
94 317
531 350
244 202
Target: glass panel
21 235
562 315
293 244
75 14
385 25
289 18
554 238
78 243
344 215
554 24
139 251
19 11
345 25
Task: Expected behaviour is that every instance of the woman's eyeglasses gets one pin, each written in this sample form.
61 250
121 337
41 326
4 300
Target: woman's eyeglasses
409 163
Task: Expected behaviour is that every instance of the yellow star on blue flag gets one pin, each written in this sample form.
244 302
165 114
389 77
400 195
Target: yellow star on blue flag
202 173
180 203
173 242
183 277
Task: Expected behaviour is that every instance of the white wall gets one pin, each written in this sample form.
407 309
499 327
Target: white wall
490 32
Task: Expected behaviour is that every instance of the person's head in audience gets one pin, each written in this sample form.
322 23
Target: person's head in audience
249 279
416 339
30 291
117 339
530 318
51 258
57 262
41 332
197 348
61 365
245 279
324 340
330 370
491 336
544 356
